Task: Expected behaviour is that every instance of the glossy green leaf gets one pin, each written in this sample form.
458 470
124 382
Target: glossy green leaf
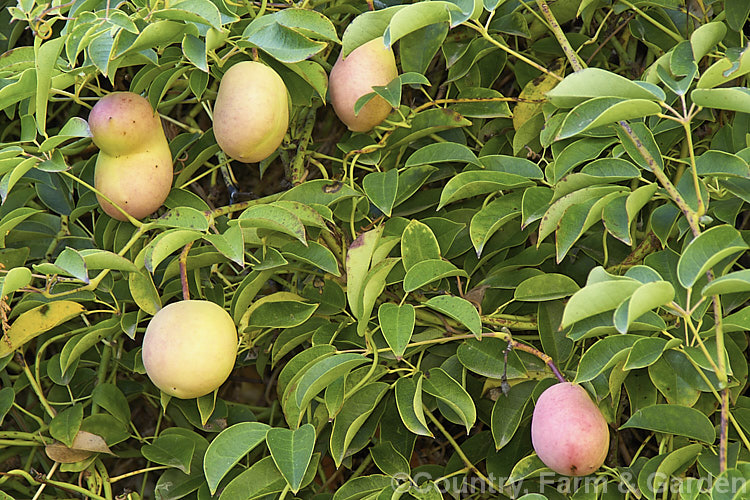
733 99
508 410
479 182
459 309
441 152
604 354
16 278
352 416
449 391
418 243
261 478
7 397
292 451
358 259
227 448
603 111
736 282
397 325
170 450
493 216
320 374
113 400
673 419
545 287
595 82
706 250
597 298
381 188
645 352
66 424
409 402
645 298
427 271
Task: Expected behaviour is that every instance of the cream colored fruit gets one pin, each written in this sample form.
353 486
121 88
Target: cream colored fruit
568 431
134 165
352 77
251 113
190 348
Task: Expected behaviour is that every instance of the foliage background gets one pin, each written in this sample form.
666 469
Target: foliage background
378 279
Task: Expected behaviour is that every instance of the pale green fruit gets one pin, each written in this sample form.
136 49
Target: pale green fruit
352 77
189 348
568 431
134 165
251 113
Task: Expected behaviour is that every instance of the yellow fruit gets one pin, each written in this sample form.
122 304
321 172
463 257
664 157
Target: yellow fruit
568 431
134 165
189 348
354 76
251 113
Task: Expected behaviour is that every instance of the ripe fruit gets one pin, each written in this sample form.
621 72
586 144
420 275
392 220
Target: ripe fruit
568 431
134 166
251 114
354 76
189 348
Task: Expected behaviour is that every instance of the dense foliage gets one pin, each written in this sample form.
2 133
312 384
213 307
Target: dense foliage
559 186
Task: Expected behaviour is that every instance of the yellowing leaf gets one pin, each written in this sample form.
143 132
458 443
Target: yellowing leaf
37 321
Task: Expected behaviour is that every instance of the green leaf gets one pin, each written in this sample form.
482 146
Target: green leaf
166 244
721 164
440 152
280 313
322 373
292 451
428 271
228 447
353 414
16 278
197 11
274 218
7 396
459 309
409 402
358 259
545 287
314 253
733 99
261 478
736 282
381 188
285 44
184 217
604 354
492 217
645 298
479 182
373 289
389 460
706 250
735 64
45 60
418 244
66 424
485 357
34 322
508 410
597 298
645 352
482 103
112 399
673 419
363 486
172 450
603 111
144 292
594 82
73 264
413 17
397 325
446 389
309 22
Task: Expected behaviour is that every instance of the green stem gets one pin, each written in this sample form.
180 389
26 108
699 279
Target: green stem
39 480
558 32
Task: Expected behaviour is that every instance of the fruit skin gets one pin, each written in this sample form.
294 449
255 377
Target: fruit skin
189 348
251 113
568 431
134 165
354 76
